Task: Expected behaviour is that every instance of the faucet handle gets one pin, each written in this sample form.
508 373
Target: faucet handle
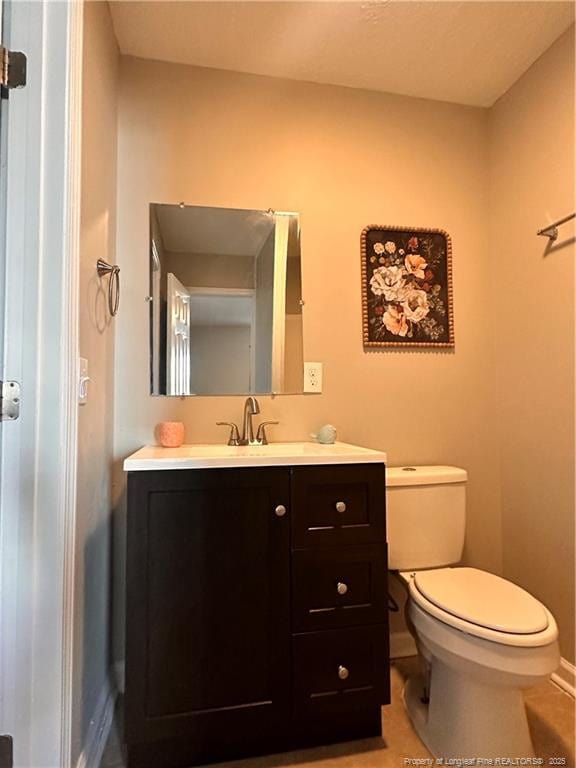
261 433
234 438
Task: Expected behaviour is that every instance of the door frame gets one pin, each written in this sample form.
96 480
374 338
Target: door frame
39 451
281 234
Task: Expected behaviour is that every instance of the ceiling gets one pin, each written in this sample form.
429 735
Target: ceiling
222 231
465 52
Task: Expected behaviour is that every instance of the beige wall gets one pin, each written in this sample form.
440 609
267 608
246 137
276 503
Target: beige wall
293 355
98 223
501 404
532 183
343 158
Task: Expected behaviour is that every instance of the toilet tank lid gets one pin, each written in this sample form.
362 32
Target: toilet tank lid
425 475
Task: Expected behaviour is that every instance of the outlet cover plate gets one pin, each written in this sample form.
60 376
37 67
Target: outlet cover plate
313 377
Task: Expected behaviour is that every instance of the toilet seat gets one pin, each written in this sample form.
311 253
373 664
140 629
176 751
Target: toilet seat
483 605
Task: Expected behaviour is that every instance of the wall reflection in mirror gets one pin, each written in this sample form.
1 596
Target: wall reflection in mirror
226 301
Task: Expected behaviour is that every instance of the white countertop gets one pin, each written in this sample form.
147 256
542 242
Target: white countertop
272 455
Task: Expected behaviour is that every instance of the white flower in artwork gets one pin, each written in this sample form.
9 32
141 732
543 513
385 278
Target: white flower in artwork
390 247
378 248
415 303
388 282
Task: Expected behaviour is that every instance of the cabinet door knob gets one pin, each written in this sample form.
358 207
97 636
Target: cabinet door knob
280 510
343 673
341 588
340 506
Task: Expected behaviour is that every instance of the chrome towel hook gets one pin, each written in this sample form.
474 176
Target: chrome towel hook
113 271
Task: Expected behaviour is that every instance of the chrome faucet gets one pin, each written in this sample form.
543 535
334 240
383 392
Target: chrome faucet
251 408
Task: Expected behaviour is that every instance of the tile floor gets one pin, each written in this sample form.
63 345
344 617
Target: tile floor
550 714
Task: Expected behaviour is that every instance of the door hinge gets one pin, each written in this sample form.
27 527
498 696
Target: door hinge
6 752
12 70
10 401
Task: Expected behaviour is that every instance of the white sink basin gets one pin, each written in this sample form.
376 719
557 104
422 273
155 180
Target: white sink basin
273 455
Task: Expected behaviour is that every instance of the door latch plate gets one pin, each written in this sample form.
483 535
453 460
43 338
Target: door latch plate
10 401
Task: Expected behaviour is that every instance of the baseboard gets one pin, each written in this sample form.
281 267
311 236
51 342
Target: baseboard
100 724
402 645
565 677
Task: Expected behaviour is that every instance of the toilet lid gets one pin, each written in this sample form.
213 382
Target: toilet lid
482 598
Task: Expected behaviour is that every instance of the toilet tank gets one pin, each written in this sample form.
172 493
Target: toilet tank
426 516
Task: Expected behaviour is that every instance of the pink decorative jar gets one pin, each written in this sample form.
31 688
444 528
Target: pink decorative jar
170 434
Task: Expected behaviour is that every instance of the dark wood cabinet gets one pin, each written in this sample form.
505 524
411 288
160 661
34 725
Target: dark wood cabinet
240 619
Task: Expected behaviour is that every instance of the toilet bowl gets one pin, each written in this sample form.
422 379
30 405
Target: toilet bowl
481 638
470 704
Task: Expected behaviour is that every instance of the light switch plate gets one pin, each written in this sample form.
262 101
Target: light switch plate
83 380
313 377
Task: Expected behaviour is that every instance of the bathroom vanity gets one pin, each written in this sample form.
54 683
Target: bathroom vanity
256 600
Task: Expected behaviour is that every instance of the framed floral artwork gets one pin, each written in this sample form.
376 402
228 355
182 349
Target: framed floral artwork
406 287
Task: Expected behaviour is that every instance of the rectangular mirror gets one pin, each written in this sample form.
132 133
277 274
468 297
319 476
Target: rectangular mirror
226 301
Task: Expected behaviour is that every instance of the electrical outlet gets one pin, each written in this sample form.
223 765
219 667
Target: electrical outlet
313 377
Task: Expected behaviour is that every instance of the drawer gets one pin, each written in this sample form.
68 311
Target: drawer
340 670
343 504
339 587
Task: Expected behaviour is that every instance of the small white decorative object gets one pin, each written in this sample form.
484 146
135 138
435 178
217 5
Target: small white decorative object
326 434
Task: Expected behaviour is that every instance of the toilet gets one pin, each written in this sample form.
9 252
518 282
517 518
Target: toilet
481 638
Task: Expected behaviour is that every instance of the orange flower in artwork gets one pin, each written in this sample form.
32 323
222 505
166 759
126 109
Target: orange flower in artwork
415 265
395 321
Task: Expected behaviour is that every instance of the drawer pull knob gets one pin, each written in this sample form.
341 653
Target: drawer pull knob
340 506
341 588
280 510
343 673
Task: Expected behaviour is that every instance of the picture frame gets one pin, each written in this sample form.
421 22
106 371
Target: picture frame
407 295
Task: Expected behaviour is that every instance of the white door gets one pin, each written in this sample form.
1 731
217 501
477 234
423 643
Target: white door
39 256
8 521
177 338
3 163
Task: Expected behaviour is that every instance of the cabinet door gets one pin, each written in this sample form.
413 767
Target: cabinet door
207 654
